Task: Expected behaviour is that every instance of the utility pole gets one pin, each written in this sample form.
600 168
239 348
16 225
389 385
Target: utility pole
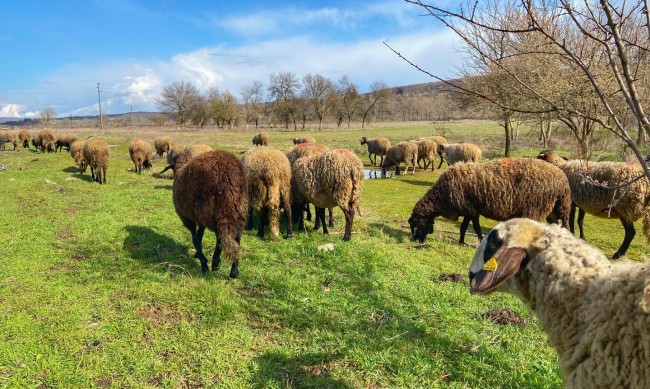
101 120
131 118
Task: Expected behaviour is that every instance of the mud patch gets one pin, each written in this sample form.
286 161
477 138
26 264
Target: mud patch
64 234
452 277
503 317
161 315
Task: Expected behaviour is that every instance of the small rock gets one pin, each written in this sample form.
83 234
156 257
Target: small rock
23 168
3 167
326 247
49 182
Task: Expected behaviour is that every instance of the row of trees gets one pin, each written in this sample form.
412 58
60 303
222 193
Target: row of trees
285 100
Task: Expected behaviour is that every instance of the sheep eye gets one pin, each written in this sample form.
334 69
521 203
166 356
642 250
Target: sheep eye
492 245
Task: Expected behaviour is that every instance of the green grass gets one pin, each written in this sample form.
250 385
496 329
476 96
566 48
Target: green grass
99 287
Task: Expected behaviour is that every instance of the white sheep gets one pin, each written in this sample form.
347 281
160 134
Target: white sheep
596 313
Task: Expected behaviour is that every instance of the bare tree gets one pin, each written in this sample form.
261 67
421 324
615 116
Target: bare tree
379 95
179 98
253 97
318 90
351 100
283 89
46 117
159 119
222 107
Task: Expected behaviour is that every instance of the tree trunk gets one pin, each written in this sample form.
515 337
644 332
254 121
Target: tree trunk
506 126
641 138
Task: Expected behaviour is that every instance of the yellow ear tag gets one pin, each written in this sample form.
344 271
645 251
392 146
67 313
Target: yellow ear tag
490 265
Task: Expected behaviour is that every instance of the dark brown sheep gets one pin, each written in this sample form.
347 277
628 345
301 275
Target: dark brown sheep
24 138
65 140
95 152
500 190
211 191
261 139
140 152
36 141
47 141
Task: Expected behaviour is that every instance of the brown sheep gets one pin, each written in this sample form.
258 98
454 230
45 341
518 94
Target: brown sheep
162 144
76 153
500 190
210 191
261 139
403 152
377 147
24 138
64 140
36 141
95 152
334 178
628 205
458 152
9 137
308 139
269 186
427 150
191 150
140 152
47 141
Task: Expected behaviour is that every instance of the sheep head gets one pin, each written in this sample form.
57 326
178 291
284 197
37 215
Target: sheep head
363 140
551 157
177 163
420 227
504 252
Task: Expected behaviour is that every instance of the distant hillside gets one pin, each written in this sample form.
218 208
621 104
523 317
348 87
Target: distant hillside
425 89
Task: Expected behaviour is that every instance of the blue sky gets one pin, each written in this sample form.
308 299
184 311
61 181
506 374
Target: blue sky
54 55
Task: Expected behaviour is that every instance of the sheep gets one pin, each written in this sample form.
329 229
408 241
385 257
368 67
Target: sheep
406 152
76 153
427 150
95 153
140 152
191 150
24 138
378 147
162 144
6 136
333 178
458 152
628 204
596 313
308 139
36 141
269 185
211 191
500 190
261 139
47 141
64 140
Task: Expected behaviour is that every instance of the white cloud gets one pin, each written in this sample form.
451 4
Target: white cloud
11 110
142 89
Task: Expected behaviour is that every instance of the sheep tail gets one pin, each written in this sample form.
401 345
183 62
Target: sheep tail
646 224
230 248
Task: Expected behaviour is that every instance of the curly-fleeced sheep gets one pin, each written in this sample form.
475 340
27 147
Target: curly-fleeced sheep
377 147
458 152
36 141
76 149
24 138
47 141
191 150
406 152
307 139
628 204
95 152
162 144
499 190
427 150
269 186
8 137
140 152
64 140
596 313
333 178
261 139
210 191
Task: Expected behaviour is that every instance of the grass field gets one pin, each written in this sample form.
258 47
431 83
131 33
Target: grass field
99 287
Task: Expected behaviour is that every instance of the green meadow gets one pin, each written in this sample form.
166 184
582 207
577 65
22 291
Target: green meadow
99 286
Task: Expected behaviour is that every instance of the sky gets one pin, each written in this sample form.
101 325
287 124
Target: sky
53 56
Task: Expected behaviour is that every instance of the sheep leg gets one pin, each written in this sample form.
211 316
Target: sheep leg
349 218
581 218
216 257
234 269
397 169
572 217
320 218
629 235
308 212
249 223
463 229
264 218
197 239
370 158
381 160
286 204
104 173
331 218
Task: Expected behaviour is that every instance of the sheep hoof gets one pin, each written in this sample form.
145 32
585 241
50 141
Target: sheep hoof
234 272
290 235
346 238
204 269
331 224
617 255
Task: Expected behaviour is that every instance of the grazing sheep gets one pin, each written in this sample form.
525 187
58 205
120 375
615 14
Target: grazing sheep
210 191
427 150
269 185
76 152
406 152
628 204
24 138
162 144
333 178
308 139
64 140
6 136
36 141
95 152
377 147
191 150
596 313
458 152
261 139
47 141
499 190
140 152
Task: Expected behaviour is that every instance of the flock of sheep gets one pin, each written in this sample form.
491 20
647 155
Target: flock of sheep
596 313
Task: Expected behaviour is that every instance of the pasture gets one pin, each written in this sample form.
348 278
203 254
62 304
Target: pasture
99 286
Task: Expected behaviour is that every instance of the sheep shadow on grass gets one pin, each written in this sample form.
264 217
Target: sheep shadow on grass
152 248
418 183
78 174
392 231
276 369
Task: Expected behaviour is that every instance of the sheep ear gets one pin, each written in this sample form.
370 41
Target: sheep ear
505 263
